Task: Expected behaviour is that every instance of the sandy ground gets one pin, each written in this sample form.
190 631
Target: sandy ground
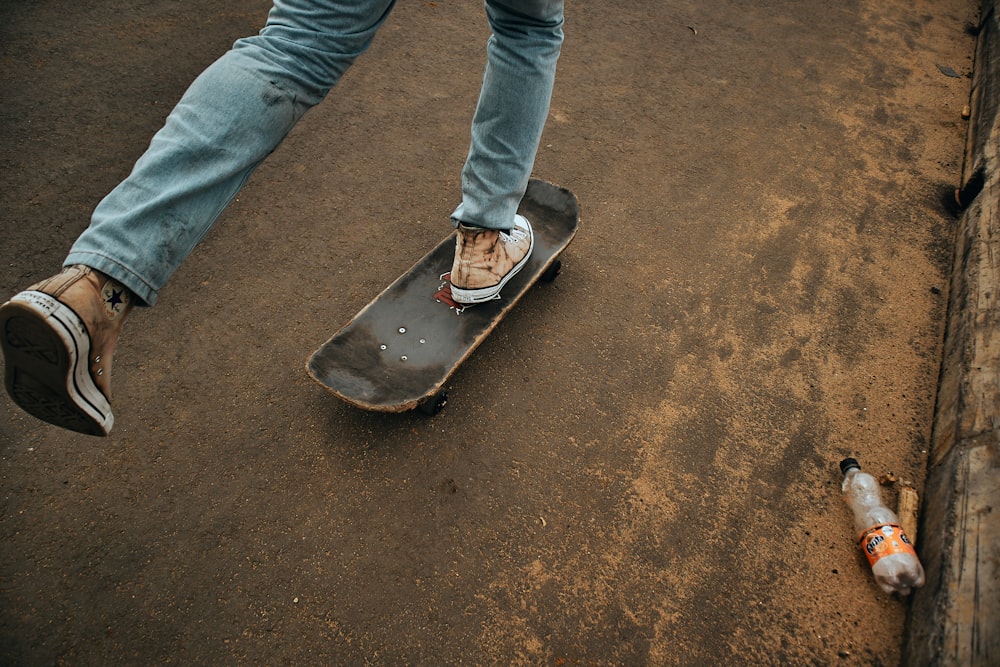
638 467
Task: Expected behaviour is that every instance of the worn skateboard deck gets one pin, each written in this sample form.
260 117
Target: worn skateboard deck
398 352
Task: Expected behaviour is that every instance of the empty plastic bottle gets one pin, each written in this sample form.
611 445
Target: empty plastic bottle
890 554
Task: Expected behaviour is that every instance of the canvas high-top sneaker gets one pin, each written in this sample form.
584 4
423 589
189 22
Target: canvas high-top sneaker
485 259
58 338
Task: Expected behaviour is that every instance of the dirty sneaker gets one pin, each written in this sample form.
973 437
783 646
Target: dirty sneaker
485 259
58 338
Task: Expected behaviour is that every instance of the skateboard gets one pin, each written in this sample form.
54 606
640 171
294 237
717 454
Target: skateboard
398 352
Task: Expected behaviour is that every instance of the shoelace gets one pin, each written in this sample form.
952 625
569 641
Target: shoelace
516 234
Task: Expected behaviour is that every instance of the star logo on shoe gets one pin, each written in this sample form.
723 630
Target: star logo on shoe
115 296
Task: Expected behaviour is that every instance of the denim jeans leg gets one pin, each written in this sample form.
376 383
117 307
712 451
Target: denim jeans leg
231 118
513 106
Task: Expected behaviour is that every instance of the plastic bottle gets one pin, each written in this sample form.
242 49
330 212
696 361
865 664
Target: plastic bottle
890 554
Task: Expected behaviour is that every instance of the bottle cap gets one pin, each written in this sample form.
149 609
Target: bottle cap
849 464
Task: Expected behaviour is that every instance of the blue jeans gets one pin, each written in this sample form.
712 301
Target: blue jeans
240 108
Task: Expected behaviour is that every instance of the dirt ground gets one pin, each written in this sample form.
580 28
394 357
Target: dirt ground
638 467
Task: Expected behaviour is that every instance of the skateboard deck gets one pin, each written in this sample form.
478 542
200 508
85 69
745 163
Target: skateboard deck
399 351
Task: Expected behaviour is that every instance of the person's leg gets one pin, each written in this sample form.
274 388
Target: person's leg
493 243
512 109
231 118
58 336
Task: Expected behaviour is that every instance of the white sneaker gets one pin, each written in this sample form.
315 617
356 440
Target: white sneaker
485 259
58 338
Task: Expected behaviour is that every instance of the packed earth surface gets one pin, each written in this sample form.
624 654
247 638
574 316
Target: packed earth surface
638 467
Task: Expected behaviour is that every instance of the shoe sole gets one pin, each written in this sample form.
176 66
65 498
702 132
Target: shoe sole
469 297
46 349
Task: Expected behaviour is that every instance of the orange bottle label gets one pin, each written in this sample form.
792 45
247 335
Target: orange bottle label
884 540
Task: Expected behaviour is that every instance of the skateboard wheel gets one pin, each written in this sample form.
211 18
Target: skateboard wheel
550 273
434 404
